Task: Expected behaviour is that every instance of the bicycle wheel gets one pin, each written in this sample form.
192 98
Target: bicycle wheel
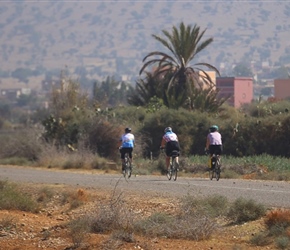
174 169
211 172
218 170
169 173
129 169
126 166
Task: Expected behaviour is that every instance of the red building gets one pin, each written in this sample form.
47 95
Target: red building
240 89
282 88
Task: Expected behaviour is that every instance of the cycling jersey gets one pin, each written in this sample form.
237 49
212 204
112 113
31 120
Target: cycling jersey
170 136
128 140
214 138
171 141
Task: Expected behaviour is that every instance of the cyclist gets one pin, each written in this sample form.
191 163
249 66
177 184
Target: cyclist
127 143
214 142
170 142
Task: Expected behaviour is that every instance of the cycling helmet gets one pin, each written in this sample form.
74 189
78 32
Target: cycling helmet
128 130
168 129
214 128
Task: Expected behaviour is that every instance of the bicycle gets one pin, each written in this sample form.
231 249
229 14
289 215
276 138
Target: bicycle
127 167
215 170
173 166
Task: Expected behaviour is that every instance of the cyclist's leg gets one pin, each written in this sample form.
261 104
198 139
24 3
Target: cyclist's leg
122 151
168 151
167 162
177 162
211 152
219 150
175 146
130 151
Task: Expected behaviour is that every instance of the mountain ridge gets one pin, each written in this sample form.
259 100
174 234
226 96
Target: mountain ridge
107 38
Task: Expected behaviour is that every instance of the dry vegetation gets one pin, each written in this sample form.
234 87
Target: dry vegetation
76 218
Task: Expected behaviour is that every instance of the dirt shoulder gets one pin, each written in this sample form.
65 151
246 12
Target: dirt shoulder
47 229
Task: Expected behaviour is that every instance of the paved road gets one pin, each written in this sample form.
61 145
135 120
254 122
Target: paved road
270 193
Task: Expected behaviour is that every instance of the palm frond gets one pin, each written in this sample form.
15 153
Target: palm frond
209 66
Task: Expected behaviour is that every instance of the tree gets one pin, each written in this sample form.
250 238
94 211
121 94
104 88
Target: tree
184 44
69 113
172 74
243 70
110 92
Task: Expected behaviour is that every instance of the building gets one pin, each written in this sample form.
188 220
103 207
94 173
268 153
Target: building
282 88
239 90
212 76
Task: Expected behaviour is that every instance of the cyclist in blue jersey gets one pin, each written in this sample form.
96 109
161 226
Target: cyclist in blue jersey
127 144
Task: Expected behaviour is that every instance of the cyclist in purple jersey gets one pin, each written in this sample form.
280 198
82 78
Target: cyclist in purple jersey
214 141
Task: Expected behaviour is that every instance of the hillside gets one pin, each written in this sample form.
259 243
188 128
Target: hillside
101 38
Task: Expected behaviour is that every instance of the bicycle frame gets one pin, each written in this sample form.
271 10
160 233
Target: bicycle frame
128 167
214 171
173 166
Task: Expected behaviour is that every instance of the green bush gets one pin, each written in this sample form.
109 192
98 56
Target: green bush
213 206
12 198
282 242
243 210
260 239
195 226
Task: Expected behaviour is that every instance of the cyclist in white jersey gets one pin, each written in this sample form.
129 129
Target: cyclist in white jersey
127 144
170 143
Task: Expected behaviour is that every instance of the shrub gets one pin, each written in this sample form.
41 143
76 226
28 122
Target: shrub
22 144
45 194
63 157
243 210
7 224
12 198
103 138
278 217
282 242
260 239
195 227
78 230
212 206
75 199
278 221
117 238
113 215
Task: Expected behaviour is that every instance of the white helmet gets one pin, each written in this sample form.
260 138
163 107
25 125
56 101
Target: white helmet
168 129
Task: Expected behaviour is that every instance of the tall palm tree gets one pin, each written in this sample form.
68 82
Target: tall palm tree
184 44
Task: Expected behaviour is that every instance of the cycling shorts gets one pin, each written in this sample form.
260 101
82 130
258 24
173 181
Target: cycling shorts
123 151
215 149
171 146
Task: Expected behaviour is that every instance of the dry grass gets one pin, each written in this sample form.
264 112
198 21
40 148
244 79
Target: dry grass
278 217
52 157
8 223
277 223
